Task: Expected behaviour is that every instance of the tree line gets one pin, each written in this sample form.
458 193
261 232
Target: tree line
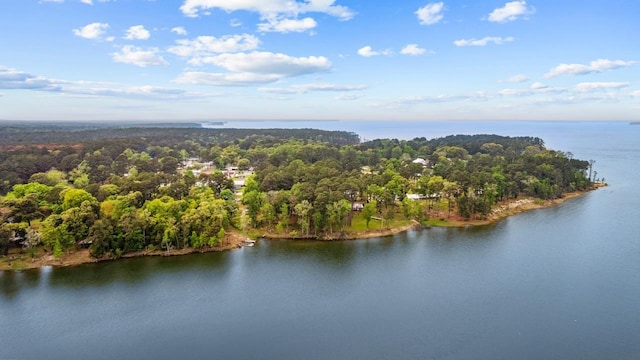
117 194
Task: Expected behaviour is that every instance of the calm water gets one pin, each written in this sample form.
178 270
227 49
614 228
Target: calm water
560 283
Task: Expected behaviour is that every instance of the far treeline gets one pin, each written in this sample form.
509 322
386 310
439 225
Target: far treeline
121 190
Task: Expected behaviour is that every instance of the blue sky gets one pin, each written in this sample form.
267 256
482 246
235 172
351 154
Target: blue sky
319 59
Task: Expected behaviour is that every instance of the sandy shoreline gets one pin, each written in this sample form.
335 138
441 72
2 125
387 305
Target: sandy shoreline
234 240
23 261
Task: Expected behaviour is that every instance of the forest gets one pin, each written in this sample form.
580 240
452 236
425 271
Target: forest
122 189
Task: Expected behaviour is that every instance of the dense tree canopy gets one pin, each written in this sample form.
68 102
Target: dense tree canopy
122 190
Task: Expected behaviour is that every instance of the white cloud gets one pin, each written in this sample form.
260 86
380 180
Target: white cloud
130 54
208 45
235 23
179 30
323 6
532 90
596 66
281 91
269 63
305 88
14 79
348 97
93 31
635 93
511 12
287 25
367 51
329 87
517 78
444 98
412 49
269 8
585 97
538 86
254 68
574 95
89 2
137 32
515 92
145 92
484 41
225 79
597 86
431 13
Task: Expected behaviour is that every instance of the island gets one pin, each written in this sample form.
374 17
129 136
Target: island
73 194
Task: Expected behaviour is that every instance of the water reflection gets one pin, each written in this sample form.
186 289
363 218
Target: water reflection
11 282
132 271
334 255
128 271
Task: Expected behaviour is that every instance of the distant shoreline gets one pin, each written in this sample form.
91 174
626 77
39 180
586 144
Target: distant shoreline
22 261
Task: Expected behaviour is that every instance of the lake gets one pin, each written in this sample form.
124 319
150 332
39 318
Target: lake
562 282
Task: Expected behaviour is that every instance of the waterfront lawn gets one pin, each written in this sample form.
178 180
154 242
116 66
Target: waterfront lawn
359 223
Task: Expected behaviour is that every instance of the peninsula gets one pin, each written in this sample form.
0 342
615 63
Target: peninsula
72 195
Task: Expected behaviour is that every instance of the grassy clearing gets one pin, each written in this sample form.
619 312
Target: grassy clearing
358 223
438 222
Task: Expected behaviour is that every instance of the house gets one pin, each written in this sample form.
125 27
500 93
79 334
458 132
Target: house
238 183
421 161
415 197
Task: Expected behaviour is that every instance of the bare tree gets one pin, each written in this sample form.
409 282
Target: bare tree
591 162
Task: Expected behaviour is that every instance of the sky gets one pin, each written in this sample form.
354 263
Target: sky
319 60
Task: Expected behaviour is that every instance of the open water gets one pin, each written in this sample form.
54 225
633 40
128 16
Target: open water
556 283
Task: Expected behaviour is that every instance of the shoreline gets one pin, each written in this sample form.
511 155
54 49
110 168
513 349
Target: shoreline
21 261
340 236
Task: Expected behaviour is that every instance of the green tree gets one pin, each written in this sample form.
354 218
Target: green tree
227 194
250 184
55 235
268 213
244 164
303 210
169 164
253 200
51 178
283 222
203 220
338 211
169 235
106 190
5 239
435 186
21 190
75 197
450 190
32 239
100 236
411 209
368 211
